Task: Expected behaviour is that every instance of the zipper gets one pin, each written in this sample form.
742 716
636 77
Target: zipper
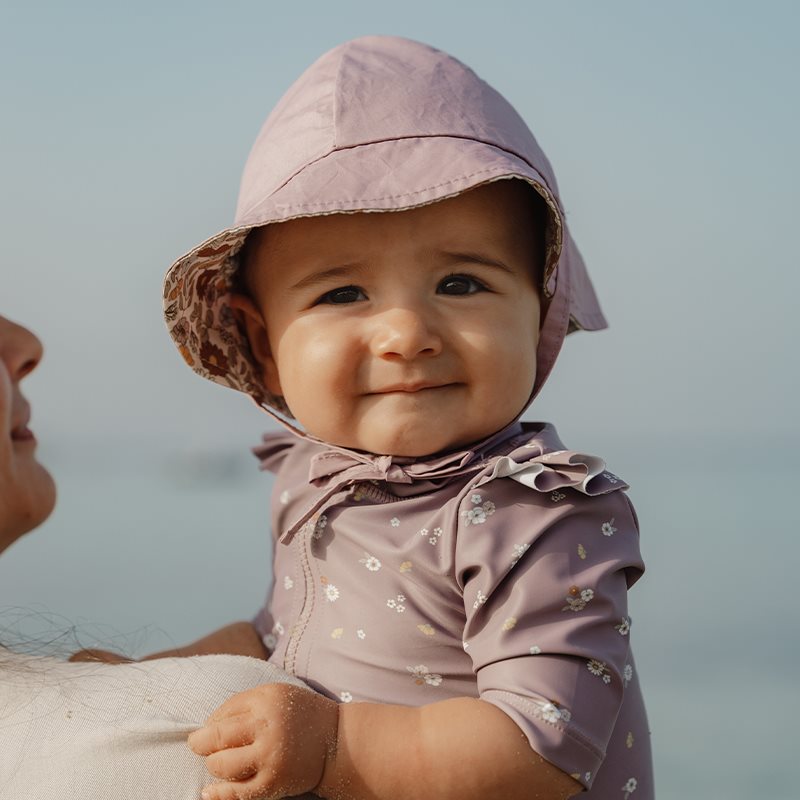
295 634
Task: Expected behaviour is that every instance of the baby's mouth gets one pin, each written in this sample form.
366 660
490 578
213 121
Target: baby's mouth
410 388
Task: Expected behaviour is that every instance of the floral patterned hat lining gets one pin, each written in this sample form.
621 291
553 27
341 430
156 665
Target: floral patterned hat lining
377 124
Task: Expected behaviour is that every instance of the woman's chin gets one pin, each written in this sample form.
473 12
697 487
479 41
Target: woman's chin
34 499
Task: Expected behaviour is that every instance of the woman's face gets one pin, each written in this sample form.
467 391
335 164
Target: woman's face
27 491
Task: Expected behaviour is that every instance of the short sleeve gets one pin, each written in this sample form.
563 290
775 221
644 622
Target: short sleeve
545 575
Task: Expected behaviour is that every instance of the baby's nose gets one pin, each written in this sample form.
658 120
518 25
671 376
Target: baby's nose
405 333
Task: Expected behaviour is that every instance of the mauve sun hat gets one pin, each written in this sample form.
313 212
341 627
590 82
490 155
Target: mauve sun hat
378 124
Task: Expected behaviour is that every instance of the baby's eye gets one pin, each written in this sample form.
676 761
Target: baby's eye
459 284
344 294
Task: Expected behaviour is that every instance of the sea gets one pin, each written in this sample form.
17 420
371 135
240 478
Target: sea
154 547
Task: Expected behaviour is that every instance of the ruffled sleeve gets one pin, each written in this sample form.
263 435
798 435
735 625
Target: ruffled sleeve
274 449
545 553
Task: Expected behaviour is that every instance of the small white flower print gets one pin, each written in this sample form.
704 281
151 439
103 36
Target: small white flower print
519 551
279 629
581 552
509 624
627 674
629 740
331 593
577 599
346 697
361 634
422 675
587 777
433 536
396 604
270 641
480 599
596 667
475 516
535 650
550 712
624 627
284 498
482 510
630 787
394 522
610 478
288 583
465 646
370 562
608 528
557 496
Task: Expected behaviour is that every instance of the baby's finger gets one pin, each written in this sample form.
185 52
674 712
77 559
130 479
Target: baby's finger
238 790
221 736
235 706
237 764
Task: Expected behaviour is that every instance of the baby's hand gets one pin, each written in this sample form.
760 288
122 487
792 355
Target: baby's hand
268 742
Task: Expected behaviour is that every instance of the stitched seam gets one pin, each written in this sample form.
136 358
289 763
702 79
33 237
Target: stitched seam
383 141
572 730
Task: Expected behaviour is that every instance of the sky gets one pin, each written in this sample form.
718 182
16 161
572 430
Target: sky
671 127
673 130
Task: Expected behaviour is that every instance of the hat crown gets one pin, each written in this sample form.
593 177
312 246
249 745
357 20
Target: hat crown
377 89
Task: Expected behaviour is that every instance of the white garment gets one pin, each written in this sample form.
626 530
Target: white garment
96 731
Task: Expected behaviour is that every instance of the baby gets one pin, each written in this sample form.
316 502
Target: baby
452 582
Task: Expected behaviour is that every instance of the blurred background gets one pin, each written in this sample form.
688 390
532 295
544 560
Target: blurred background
673 130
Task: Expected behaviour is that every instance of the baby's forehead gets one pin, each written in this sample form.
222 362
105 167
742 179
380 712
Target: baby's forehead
506 215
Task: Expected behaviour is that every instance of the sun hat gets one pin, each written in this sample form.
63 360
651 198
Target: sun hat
378 124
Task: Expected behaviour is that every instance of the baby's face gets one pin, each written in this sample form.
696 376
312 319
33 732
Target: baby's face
404 333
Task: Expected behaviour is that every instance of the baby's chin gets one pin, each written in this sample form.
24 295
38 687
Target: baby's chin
404 444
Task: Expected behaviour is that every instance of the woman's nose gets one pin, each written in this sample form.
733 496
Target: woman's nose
20 350
405 333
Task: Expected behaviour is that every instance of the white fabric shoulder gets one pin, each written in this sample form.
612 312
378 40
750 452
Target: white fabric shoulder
92 731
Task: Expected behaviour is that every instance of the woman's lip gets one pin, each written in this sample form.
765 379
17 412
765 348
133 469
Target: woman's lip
22 434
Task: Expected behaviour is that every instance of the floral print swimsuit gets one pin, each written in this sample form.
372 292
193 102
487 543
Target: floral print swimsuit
500 572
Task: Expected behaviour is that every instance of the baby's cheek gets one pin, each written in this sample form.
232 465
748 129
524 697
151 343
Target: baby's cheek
318 384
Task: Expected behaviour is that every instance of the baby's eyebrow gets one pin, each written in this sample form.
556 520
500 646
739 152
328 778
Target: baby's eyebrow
324 276
476 258
347 271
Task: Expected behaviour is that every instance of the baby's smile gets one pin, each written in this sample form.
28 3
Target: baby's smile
412 387
404 333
